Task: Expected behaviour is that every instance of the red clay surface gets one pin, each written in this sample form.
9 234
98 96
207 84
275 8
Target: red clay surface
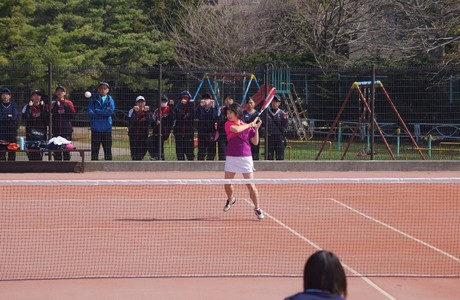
196 227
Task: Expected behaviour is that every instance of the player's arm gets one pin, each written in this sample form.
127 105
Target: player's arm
255 139
241 128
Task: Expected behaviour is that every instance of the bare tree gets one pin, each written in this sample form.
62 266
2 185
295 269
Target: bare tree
327 32
420 29
219 36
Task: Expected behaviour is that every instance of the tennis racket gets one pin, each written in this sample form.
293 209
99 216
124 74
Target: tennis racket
268 100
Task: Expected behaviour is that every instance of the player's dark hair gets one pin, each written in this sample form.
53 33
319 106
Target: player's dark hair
235 108
323 271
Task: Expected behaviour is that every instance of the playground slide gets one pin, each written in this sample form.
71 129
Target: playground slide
259 96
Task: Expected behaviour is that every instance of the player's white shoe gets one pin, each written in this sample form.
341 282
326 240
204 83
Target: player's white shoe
259 213
229 203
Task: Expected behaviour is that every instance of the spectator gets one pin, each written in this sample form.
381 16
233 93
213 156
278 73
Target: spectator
138 128
207 115
222 141
62 111
323 278
277 123
36 116
165 116
100 109
238 157
8 122
249 115
184 129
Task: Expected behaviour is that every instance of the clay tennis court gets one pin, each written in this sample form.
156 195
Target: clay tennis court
204 253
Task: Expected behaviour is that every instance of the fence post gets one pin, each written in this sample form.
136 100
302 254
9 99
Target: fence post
50 102
266 114
372 112
339 137
430 138
160 92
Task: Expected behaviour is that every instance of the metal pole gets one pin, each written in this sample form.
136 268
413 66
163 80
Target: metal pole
160 92
50 101
372 112
266 113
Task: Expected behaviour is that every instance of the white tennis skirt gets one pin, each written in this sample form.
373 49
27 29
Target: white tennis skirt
239 164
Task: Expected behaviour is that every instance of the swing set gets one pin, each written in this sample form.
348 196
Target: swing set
258 97
367 112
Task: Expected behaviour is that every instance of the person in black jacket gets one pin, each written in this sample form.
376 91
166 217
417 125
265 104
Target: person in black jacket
277 123
166 116
222 141
184 129
8 122
63 112
207 115
249 115
36 116
138 129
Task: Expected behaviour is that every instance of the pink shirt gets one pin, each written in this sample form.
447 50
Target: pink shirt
238 144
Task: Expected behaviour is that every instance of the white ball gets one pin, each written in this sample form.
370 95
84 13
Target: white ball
87 94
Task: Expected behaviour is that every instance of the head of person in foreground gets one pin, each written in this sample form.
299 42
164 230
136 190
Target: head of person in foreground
323 271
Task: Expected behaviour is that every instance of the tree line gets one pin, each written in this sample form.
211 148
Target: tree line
229 34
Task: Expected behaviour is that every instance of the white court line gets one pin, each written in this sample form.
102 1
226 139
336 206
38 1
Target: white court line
397 231
316 246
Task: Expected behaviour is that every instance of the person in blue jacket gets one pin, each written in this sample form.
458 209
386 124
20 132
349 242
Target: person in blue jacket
324 278
8 122
100 109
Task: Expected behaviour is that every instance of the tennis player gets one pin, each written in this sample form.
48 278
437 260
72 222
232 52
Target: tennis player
238 157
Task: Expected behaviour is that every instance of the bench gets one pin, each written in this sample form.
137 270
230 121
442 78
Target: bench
80 151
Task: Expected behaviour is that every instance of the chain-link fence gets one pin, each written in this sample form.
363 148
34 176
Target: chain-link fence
426 98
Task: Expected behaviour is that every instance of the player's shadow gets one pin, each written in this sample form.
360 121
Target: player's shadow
180 220
165 220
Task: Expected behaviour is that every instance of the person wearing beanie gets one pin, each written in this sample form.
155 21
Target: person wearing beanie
138 128
276 126
208 117
165 116
100 110
63 112
8 122
36 116
184 128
